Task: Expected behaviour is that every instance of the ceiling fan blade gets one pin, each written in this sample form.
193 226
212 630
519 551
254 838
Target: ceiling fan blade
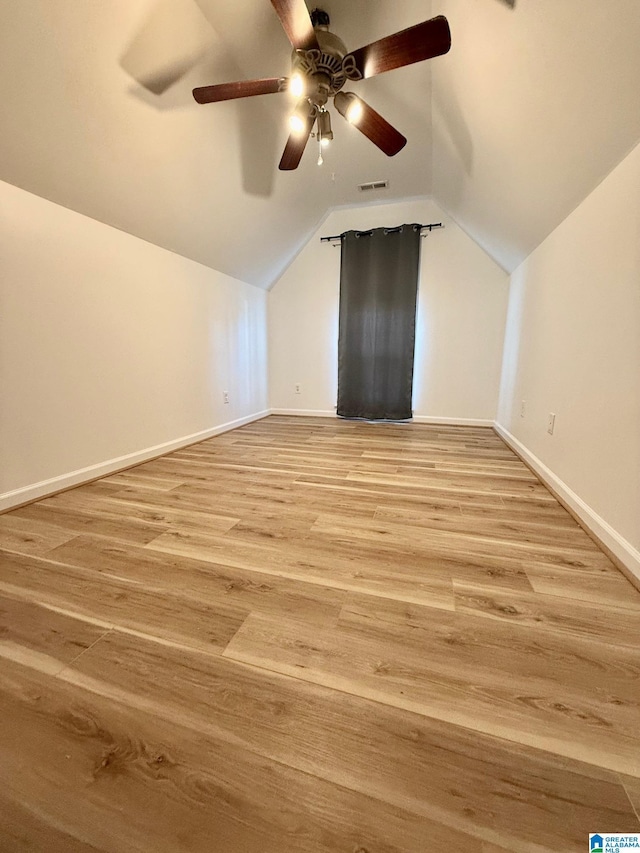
296 144
415 44
296 23
241 89
371 123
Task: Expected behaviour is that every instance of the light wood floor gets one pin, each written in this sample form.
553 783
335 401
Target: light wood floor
311 636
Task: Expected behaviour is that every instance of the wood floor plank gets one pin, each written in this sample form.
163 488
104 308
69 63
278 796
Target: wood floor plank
145 510
494 689
296 500
410 497
287 461
203 501
454 484
139 479
108 601
86 521
29 537
121 779
511 531
205 472
612 626
443 540
315 562
444 456
215 584
223 495
577 582
430 557
99 487
26 627
522 510
487 650
263 525
518 481
24 830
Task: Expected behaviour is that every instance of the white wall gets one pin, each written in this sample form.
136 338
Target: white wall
573 347
111 346
462 304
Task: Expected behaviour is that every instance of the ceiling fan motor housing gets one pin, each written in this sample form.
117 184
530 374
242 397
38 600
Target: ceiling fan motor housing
322 68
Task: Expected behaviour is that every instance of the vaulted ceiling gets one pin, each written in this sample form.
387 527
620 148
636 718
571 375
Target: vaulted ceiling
530 109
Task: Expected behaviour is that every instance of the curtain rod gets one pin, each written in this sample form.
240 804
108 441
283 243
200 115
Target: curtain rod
338 237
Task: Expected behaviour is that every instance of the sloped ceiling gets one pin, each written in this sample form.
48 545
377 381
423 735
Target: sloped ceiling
509 131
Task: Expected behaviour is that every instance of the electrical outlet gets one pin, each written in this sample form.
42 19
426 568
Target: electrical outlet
225 396
523 408
297 388
551 422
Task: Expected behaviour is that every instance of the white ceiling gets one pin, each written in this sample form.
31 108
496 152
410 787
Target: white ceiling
509 131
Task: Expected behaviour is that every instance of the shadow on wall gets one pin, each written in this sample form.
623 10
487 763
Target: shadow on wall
423 354
453 143
170 40
511 353
260 144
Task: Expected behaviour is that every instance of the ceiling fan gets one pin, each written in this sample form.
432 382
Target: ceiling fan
321 66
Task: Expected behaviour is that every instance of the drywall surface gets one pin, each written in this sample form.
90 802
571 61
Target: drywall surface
110 345
572 347
462 302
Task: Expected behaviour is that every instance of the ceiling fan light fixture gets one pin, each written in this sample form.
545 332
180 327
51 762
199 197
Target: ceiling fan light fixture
354 111
296 85
349 106
298 119
325 134
296 124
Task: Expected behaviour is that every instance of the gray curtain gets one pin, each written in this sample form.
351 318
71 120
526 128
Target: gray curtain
378 291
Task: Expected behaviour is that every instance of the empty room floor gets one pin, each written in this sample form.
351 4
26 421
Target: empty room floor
312 635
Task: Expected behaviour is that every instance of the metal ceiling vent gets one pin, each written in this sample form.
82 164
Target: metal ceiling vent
373 185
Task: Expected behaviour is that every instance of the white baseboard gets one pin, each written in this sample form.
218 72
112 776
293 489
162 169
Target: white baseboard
624 553
429 419
33 492
305 413
416 419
